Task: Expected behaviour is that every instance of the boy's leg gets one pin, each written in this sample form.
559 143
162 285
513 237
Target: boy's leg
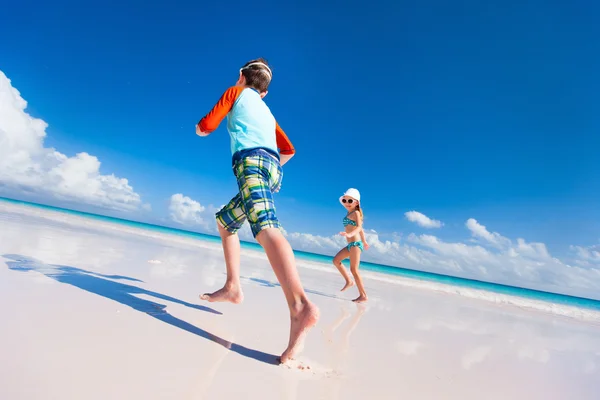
257 180
229 220
303 313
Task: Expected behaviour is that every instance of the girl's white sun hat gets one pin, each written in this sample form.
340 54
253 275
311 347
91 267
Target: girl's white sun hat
354 193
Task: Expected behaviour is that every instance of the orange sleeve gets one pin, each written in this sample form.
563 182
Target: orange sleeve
283 142
211 121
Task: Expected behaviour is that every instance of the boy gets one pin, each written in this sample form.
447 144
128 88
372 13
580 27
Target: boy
255 140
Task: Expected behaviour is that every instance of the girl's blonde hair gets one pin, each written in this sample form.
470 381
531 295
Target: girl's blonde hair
360 212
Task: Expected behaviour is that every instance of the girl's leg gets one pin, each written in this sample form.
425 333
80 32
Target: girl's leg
337 261
354 263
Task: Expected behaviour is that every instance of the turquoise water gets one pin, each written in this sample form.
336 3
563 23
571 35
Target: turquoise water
533 294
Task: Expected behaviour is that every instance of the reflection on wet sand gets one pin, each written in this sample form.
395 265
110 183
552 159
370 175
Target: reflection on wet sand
338 348
199 391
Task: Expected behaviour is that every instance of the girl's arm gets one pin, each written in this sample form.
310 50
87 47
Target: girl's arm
364 240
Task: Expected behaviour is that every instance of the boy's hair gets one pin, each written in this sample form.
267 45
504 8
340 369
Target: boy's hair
258 74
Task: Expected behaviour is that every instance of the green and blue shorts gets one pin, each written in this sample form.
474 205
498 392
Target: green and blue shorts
259 175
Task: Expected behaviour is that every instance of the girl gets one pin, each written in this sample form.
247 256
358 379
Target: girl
353 229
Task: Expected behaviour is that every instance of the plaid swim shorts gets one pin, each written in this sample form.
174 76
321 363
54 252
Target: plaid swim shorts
258 175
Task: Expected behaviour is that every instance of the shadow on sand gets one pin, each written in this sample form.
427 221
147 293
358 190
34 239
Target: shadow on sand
107 287
266 283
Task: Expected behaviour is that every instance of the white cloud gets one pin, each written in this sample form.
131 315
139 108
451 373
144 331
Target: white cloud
315 243
423 220
531 250
186 211
587 256
27 166
480 231
466 252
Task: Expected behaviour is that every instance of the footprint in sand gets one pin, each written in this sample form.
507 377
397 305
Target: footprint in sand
310 369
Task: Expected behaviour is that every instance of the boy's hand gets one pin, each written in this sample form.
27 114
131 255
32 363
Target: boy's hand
283 158
200 132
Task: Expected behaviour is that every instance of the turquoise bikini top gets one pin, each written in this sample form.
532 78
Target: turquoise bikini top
348 221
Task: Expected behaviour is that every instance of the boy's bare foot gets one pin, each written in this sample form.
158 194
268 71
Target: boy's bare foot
226 294
360 299
301 323
348 285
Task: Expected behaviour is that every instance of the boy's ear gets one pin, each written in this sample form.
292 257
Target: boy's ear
241 80
263 94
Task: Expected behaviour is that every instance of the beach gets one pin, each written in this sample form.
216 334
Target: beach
96 310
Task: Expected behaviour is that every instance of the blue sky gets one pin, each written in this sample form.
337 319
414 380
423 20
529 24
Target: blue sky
456 110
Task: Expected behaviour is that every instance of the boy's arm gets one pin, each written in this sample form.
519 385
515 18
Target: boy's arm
286 149
211 121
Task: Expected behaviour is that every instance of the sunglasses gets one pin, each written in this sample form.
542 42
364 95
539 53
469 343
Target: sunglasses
349 201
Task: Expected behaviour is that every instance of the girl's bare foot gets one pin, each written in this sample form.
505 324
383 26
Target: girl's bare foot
301 323
231 294
348 285
360 299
